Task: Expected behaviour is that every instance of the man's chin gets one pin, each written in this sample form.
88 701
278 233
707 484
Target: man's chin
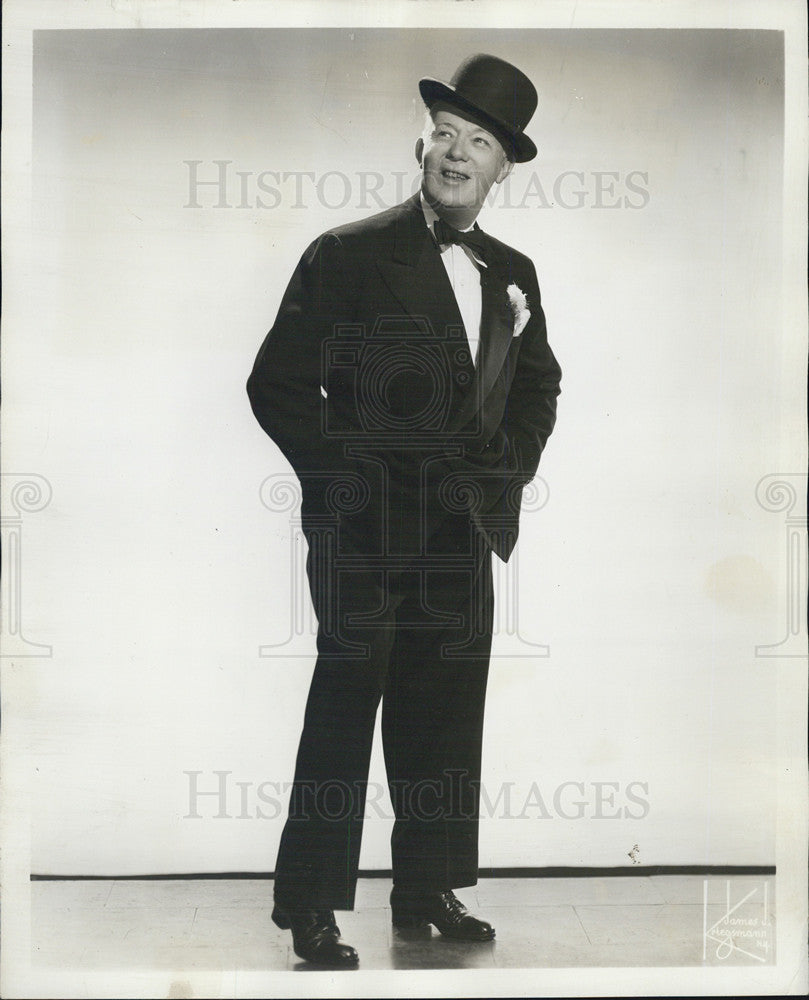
454 196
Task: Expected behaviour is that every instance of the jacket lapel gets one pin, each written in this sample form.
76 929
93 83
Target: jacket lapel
497 322
418 279
496 330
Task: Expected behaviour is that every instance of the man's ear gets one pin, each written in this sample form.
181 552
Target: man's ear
419 149
505 170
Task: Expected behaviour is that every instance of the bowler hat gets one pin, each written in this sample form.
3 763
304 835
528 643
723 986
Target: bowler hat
496 92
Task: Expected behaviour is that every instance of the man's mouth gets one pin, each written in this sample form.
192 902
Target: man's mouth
454 175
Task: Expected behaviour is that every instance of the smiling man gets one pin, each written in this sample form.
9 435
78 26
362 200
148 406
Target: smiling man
409 382
460 161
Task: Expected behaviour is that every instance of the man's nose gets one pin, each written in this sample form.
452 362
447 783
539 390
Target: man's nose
458 150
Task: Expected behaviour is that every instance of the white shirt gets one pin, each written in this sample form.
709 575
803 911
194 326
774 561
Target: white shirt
464 277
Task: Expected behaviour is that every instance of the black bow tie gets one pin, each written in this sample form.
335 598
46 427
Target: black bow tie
475 239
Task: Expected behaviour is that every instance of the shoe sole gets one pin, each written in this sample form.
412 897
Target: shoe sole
463 937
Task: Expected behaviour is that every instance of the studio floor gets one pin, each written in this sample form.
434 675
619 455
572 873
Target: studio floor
664 920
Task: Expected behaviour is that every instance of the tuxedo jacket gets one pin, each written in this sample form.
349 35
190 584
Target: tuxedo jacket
366 384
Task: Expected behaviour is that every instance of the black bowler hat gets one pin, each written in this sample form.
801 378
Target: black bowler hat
496 92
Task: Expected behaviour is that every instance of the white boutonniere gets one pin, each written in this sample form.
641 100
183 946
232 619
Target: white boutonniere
519 307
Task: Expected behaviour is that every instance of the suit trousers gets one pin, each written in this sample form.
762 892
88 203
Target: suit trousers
416 634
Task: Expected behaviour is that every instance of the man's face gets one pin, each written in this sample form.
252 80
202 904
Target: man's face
460 161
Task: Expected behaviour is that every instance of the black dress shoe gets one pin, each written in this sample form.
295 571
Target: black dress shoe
443 909
316 937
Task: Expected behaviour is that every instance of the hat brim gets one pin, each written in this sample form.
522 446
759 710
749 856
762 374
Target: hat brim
516 143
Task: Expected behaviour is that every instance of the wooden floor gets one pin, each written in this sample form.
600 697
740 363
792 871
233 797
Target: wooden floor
540 923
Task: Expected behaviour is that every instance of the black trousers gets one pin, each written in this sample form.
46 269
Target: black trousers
415 634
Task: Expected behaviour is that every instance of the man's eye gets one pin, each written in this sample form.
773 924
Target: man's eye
481 141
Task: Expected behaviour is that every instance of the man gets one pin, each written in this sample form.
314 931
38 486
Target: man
409 382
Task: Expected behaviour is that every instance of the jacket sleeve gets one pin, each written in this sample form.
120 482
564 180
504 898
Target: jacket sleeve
284 387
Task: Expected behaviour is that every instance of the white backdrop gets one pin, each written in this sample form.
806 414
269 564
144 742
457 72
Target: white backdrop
155 573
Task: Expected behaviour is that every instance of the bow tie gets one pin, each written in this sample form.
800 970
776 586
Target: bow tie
475 239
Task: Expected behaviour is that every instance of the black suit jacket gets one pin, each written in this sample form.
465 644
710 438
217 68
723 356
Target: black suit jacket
366 375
